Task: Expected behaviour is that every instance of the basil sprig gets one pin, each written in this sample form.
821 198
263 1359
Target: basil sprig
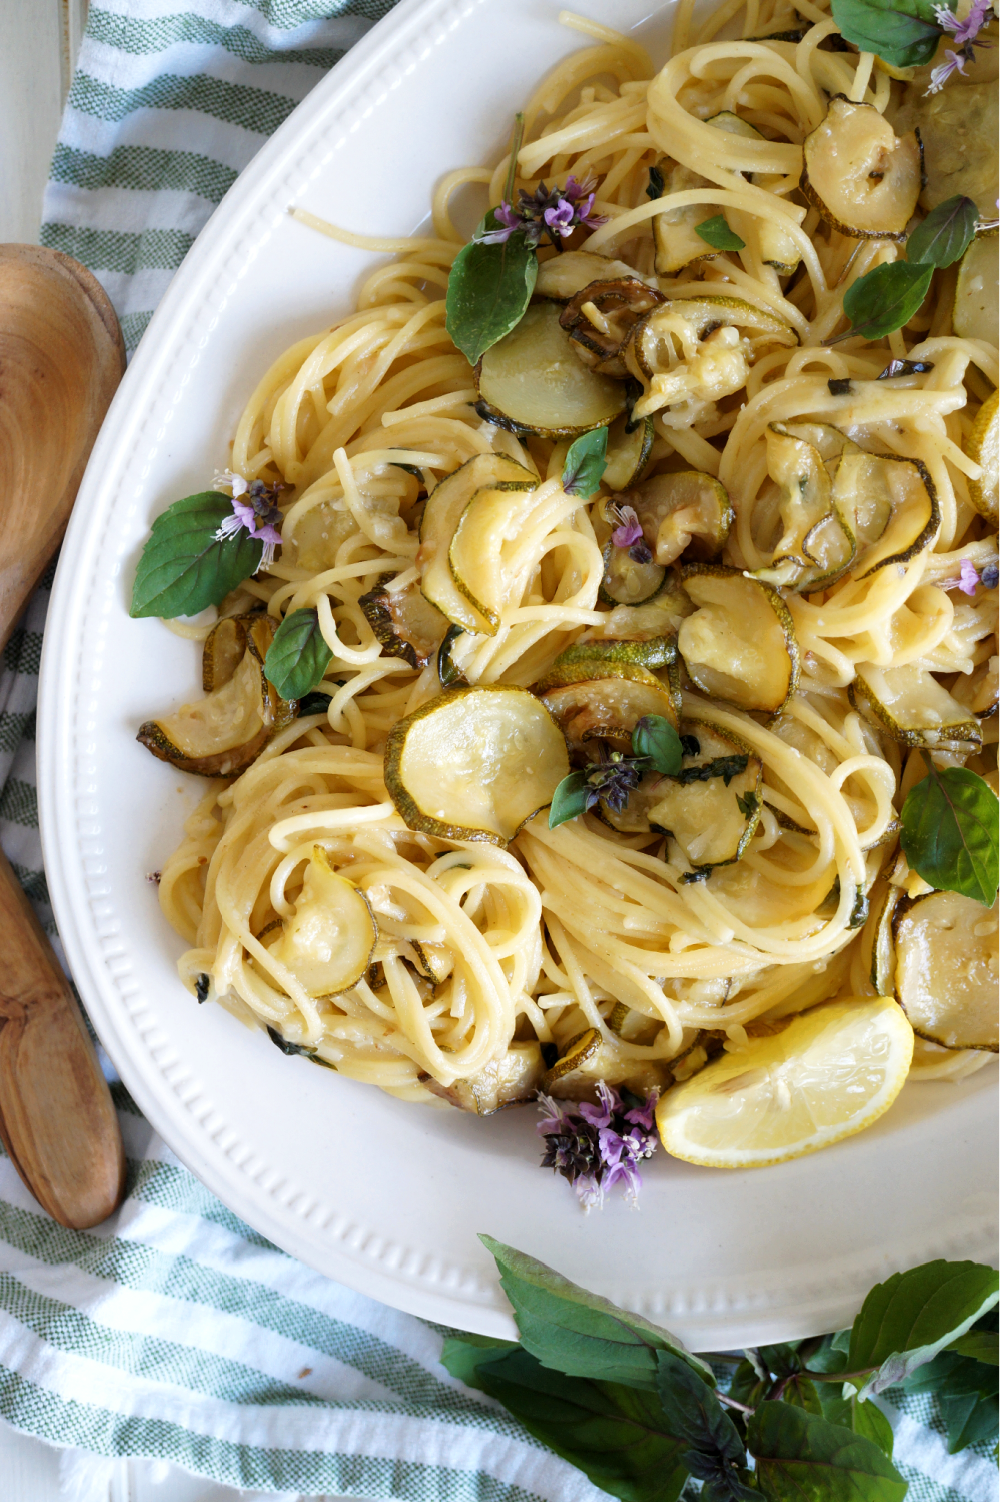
185 566
586 461
298 655
946 234
622 1400
716 232
903 33
656 747
949 834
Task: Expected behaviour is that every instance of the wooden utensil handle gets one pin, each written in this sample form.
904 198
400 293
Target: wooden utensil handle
57 1120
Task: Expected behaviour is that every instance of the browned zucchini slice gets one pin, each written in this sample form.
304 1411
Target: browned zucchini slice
687 512
475 764
510 1080
532 380
405 623
685 322
912 706
329 941
864 180
441 516
600 318
946 969
603 700
711 808
975 312
816 544
476 552
565 275
740 644
984 446
958 132
629 447
220 735
626 582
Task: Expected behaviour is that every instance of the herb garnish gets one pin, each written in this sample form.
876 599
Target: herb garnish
949 834
623 1400
596 1147
586 461
656 184
628 532
298 655
906 33
656 747
716 232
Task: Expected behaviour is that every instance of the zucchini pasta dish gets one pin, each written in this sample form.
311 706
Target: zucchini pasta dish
600 704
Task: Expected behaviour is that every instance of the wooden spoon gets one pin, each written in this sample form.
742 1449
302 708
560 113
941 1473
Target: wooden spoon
61 358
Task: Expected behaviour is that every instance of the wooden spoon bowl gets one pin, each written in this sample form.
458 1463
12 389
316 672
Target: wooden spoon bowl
61 359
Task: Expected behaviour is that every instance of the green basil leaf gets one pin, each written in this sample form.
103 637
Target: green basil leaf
949 834
656 738
803 1394
570 799
184 567
586 461
966 1391
715 1452
902 32
781 1360
747 1386
799 1455
716 232
580 1333
314 704
861 1418
615 1434
946 234
461 1357
489 287
905 1321
298 656
980 1345
884 300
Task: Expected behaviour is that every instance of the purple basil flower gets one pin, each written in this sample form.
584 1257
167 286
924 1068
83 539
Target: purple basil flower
509 219
965 34
554 211
560 219
628 530
968 578
596 1147
254 511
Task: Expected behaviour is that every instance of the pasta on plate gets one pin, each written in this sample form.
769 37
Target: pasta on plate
790 559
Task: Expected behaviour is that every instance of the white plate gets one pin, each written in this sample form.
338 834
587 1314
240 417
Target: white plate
383 1196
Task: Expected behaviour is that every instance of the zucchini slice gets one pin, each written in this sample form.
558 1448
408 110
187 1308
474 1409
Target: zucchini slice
650 652
863 179
629 448
675 230
563 276
978 692
974 315
626 582
883 954
946 969
532 381
816 544
687 512
449 673
984 447
740 644
678 328
912 706
701 807
329 941
475 764
660 616
441 515
476 552
588 1060
603 700
510 1080
776 246
958 132
405 623
220 735
600 318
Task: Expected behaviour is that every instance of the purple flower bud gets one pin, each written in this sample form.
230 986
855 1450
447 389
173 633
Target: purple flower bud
968 577
561 218
628 530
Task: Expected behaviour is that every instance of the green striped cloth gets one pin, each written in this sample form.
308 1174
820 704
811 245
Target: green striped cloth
174 1332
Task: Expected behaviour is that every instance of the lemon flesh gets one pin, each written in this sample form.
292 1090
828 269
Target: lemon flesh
829 1074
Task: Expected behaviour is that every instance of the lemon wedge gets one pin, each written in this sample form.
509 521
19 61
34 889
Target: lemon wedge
984 447
829 1074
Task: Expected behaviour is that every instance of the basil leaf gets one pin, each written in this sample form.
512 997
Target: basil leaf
799 1455
298 656
781 1360
803 1394
615 1434
571 797
314 704
656 738
861 1418
586 461
946 234
291 1049
980 1345
966 1393
716 232
489 287
901 32
184 567
461 1357
949 834
655 189
884 300
580 1333
716 1454
905 1321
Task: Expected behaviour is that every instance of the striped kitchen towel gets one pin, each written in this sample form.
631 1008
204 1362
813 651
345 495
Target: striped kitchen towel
174 1331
